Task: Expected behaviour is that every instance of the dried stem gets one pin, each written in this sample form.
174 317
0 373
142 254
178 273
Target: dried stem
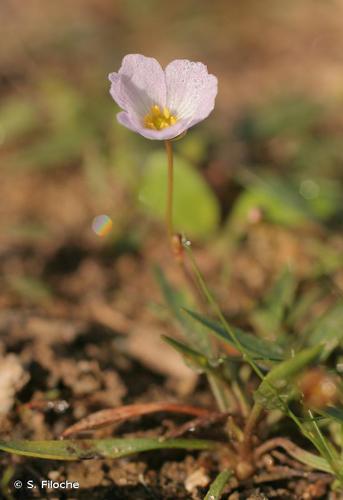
245 449
251 423
110 416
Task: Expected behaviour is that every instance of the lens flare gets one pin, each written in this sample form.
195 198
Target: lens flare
102 225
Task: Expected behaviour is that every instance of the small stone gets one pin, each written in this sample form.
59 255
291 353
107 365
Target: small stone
12 378
54 475
197 479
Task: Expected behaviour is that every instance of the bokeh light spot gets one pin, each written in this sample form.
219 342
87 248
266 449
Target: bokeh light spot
102 225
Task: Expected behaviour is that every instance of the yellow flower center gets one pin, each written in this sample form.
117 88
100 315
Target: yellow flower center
158 118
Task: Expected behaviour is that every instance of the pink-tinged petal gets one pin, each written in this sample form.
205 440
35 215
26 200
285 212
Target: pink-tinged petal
191 90
115 89
124 119
134 124
139 84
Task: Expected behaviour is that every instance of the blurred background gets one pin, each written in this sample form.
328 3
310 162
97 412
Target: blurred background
258 184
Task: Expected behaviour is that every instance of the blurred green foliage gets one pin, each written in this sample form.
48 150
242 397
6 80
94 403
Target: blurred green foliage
292 162
196 210
294 132
286 201
55 128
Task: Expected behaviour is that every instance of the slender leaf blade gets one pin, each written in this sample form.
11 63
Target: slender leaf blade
191 356
175 302
332 412
328 327
269 317
258 348
277 388
216 488
78 449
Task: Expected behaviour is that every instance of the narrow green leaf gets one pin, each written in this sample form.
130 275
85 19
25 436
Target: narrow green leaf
313 461
282 292
302 306
77 449
325 447
294 365
196 336
172 297
270 316
328 327
277 388
192 357
216 488
305 457
176 303
258 348
332 412
217 379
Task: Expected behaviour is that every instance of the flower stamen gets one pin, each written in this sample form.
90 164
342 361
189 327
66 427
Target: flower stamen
158 119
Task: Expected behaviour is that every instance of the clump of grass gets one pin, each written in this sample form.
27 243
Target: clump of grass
286 385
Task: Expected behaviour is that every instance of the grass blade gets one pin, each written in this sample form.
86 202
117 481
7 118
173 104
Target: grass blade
328 328
277 389
269 317
192 357
81 449
216 488
176 303
258 348
303 456
332 412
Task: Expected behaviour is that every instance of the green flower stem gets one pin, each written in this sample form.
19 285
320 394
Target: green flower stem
177 250
170 189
